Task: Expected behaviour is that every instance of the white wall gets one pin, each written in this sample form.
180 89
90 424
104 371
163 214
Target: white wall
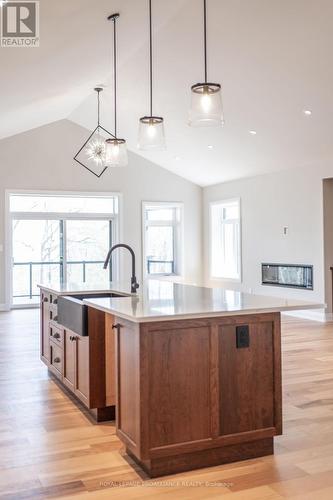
290 198
42 159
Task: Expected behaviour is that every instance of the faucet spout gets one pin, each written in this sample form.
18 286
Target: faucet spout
134 283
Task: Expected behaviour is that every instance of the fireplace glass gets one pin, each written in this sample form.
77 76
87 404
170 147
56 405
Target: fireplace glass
288 275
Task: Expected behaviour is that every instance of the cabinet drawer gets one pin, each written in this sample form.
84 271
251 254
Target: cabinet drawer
56 359
56 334
53 312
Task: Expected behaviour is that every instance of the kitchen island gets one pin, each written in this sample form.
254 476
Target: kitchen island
194 373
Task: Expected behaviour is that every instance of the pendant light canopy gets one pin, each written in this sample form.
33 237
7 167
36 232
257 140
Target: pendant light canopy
206 100
116 149
151 128
92 155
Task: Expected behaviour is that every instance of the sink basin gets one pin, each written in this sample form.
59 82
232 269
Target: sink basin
73 313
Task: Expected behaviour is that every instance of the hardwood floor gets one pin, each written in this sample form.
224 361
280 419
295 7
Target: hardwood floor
50 449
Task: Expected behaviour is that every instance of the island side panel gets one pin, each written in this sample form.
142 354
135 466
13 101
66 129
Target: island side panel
184 391
277 375
128 409
110 360
101 359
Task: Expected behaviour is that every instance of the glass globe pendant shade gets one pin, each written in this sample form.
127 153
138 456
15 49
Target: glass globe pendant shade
116 153
206 105
151 133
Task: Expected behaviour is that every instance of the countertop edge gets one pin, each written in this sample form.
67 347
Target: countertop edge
190 316
56 291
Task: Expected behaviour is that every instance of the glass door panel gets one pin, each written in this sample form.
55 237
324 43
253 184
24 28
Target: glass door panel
36 257
87 244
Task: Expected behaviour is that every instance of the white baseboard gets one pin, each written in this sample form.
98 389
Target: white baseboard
3 307
312 314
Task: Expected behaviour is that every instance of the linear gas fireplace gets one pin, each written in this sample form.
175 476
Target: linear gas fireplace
287 275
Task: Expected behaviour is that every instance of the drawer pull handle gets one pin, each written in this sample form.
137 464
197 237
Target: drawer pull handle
45 299
56 336
116 327
55 301
57 360
72 339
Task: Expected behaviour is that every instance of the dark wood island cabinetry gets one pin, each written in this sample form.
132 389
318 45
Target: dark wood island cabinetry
85 366
191 398
193 373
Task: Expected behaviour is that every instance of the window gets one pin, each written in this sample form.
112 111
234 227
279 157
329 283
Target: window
59 237
225 240
64 204
162 242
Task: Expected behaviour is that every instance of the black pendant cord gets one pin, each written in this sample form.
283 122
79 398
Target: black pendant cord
151 57
115 73
114 18
98 109
205 39
98 90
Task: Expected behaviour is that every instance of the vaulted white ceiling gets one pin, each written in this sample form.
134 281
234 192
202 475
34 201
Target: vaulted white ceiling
273 58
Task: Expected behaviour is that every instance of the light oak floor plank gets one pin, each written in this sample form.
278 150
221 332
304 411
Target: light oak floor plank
49 448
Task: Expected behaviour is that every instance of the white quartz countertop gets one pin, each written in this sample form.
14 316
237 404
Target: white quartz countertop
162 300
72 288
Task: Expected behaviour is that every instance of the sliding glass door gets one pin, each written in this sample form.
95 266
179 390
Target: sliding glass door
57 237
46 250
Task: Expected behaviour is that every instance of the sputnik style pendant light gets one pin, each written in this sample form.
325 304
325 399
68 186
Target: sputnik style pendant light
151 128
92 154
206 101
116 149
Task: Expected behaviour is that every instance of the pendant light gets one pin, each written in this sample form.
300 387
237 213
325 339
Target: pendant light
206 100
116 149
92 155
151 128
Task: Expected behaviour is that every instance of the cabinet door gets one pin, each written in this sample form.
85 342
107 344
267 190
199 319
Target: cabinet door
82 369
69 359
44 328
246 379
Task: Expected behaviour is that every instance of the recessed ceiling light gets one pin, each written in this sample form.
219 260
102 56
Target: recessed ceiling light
252 132
210 146
307 112
177 158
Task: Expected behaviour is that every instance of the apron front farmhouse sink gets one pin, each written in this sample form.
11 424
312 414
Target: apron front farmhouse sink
73 313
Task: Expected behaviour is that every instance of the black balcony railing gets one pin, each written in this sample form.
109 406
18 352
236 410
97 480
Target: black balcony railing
32 265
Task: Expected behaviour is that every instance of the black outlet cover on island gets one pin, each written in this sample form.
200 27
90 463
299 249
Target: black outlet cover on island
242 336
